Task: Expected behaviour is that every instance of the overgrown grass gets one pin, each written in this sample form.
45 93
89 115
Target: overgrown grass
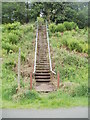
25 36
73 40
73 68
31 99
72 65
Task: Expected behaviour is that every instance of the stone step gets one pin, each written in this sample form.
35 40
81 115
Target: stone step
41 58
42 64
42 71
42 68
45 65
42 74
42 77
42 80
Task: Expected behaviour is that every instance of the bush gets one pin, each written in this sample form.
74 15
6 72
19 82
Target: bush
80 90
60 28
65 41
23 56
52 28
77 29
13 38
31 95
17 32
10 64
9 91
13 26
68 25
29 28
74 25
40 20
7 46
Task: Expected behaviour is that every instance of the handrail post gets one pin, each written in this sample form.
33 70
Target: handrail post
36 49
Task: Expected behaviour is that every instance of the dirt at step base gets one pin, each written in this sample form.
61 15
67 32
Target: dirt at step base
44 87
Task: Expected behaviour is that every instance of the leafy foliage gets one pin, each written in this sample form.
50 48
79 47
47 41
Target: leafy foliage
60 28
52 27
57 12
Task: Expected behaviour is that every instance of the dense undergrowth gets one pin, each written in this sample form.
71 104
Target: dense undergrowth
14 36
70 59
70 36
72 65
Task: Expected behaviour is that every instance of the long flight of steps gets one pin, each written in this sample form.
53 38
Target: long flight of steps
43 74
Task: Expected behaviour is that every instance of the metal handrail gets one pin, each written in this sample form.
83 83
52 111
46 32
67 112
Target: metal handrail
36 49
49 50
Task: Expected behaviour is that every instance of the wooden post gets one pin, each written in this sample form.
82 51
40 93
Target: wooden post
31 81
19 56
58 78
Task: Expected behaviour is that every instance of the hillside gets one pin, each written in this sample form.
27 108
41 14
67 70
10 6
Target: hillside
71 61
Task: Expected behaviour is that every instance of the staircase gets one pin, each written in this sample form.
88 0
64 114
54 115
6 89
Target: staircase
42 72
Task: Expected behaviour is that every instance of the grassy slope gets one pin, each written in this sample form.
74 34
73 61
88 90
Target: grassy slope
60 98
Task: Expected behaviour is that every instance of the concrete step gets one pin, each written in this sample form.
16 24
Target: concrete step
42 77
42 74
42 64
42 68
42 80
42 71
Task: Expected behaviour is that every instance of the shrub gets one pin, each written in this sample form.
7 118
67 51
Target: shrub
58 34
80 90
74 25
23 56
10 64
40 20
28 28
68 25
7 46
13 26
13 38
85 48
65 41
77 29
52 27
60 28
17 32
9 91
31 95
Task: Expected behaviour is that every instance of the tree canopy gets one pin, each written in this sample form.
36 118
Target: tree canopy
53 12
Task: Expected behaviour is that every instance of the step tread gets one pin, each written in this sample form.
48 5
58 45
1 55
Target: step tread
42 80
42 77
42 74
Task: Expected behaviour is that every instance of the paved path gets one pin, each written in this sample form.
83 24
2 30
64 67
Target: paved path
77 112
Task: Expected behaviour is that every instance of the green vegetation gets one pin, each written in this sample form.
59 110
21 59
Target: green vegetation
62 27
71 61
68 23
57 12
73 39
10 48
73 70
31 99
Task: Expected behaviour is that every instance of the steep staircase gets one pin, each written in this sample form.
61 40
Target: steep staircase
43 73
